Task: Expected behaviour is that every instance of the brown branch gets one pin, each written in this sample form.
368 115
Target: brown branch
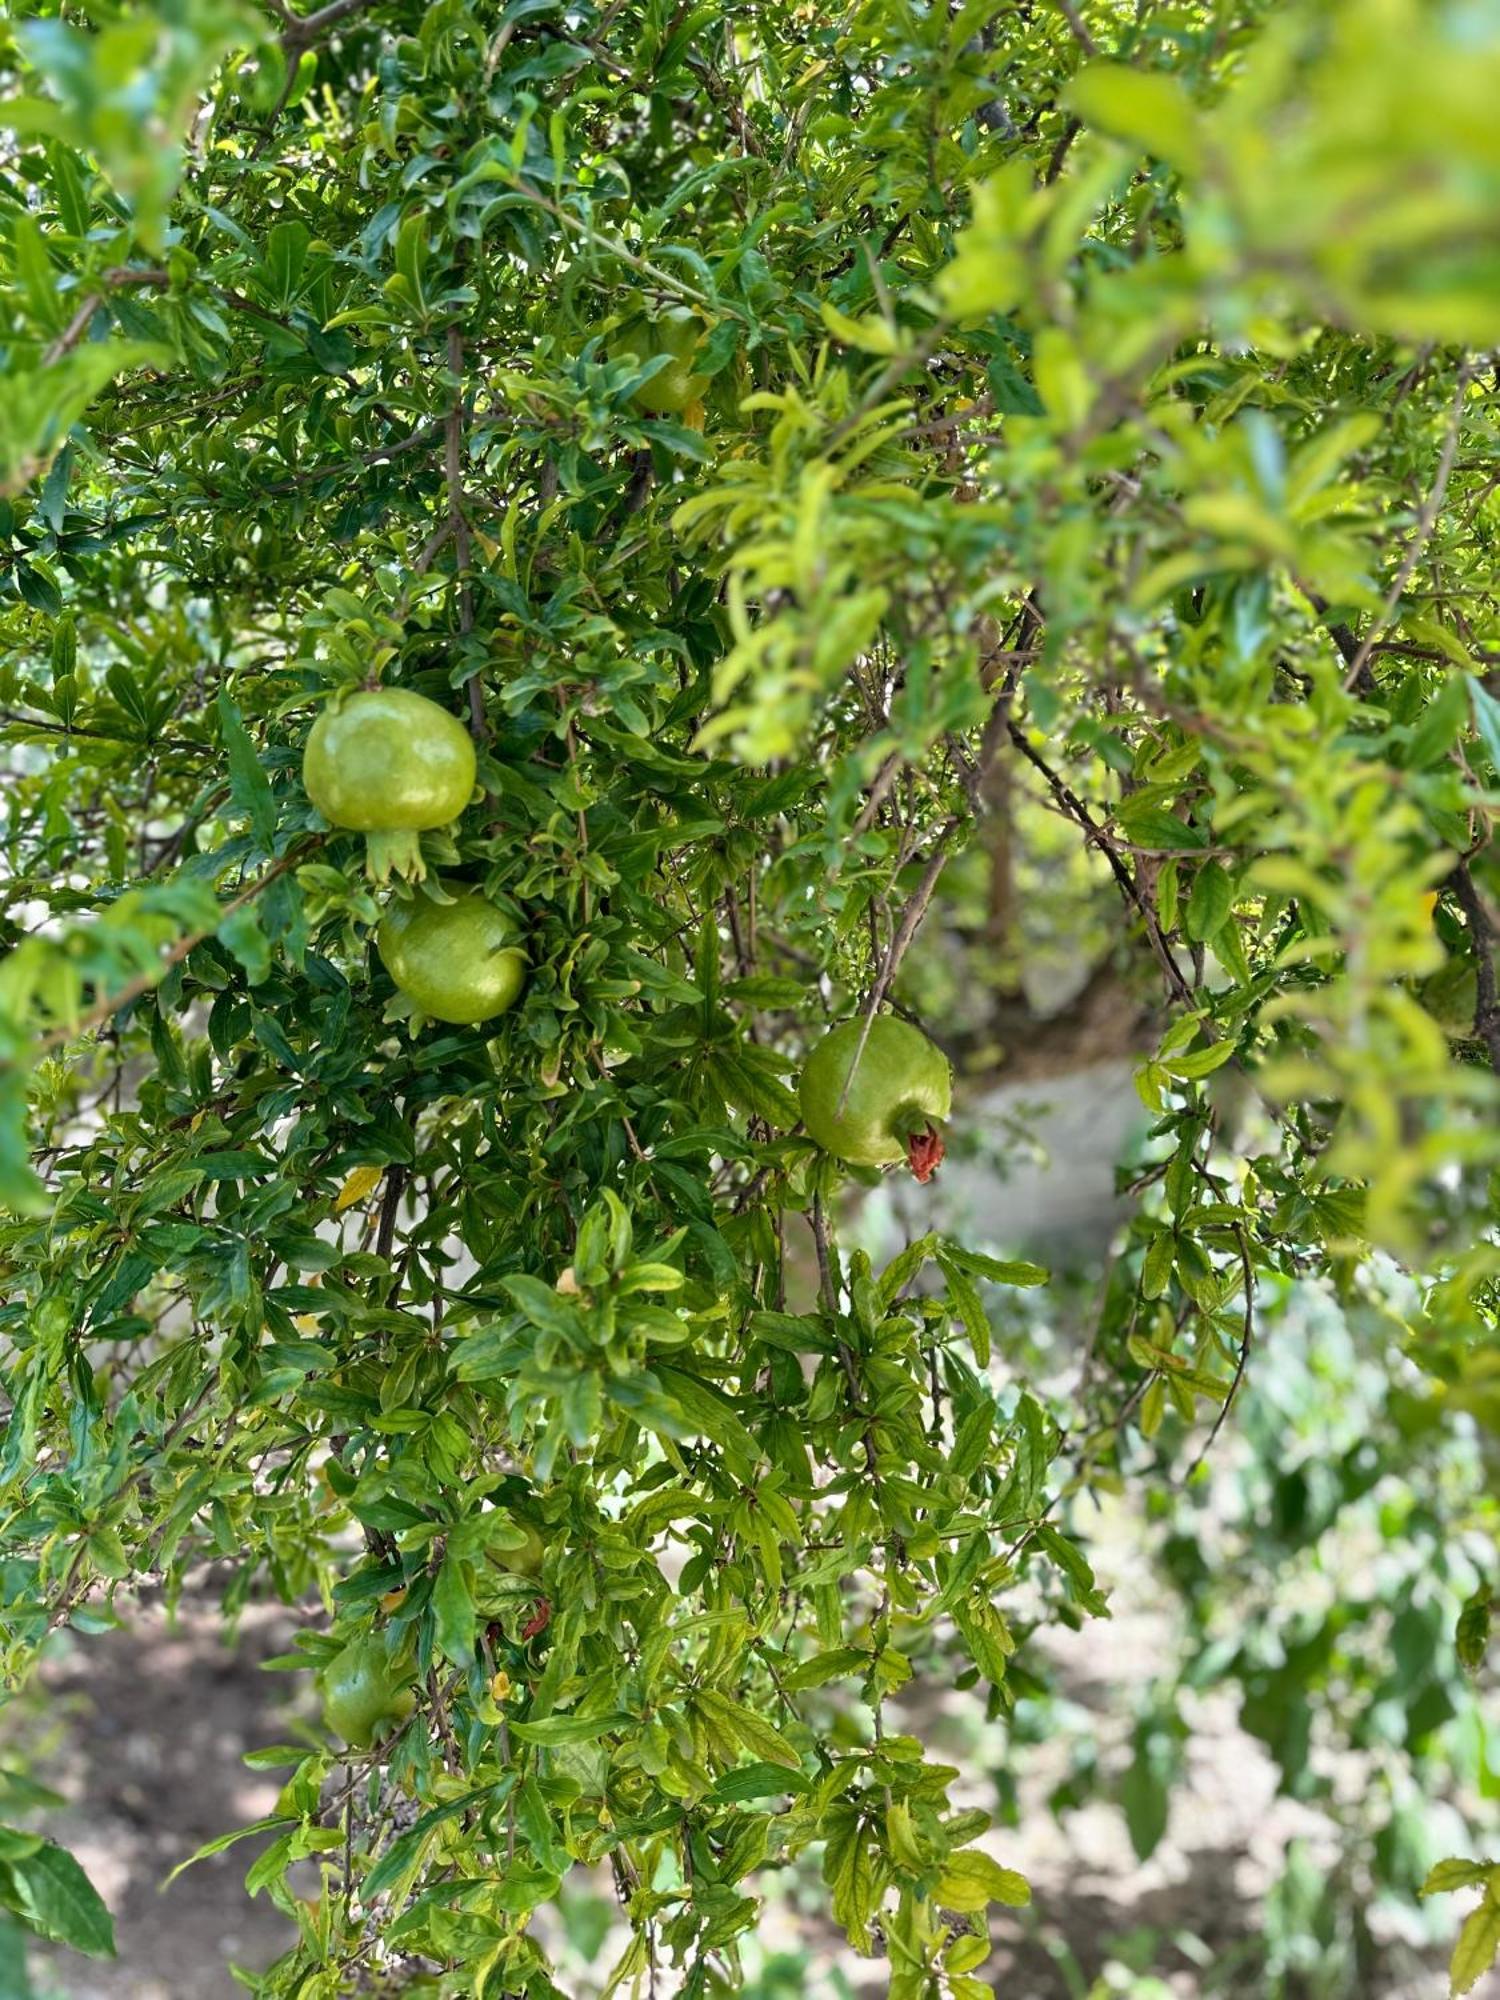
721 94
906 930
1422 534
1359 675
1076 23
981 407
885 777
1079 813
347 466
102 1010
453 482
299 32
135 743
1246 1335
1061 150
117 278
390 1203
916 908
1482 936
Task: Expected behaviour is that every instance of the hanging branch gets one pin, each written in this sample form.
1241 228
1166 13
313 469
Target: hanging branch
121 278
133 989
1098 836
1422 533
900 943
1247 1334
458 524
1482 937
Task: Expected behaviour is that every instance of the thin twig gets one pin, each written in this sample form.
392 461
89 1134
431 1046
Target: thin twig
1422 534
1076 23
666 281
1482 936
885 777
899 366
826 1291
1060 151
118 278
345 466
299 32
104 1009
458 523
906 930
1246 1335
1079 813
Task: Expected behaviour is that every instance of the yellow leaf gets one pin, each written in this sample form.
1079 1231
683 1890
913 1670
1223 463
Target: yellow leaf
971 1881
362 1182
1478 1945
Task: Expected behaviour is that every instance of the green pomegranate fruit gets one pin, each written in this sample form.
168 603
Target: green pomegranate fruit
677 333
1451 997
365 1695
526 1560
457 961
885 1103
388 761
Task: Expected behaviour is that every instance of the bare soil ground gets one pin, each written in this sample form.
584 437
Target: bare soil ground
150 1726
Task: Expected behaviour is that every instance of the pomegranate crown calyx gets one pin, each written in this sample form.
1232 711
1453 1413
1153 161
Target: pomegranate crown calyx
924 1141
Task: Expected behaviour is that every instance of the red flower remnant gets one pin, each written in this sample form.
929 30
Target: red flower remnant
540 1619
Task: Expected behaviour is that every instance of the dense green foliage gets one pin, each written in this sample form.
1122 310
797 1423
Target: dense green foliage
770 430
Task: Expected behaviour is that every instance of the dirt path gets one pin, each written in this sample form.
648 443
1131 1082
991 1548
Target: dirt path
151 1723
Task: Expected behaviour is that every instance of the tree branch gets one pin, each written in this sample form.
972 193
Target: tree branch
1482 936
299 32
458 525
1422 534
1247 1334
1078 28
118 278
390 1203
1079 813
133 989
911 918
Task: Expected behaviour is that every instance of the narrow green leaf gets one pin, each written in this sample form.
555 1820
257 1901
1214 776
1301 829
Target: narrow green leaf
49 1892
1446 1876
454 1625
971 1881
1478 1945
275 1823
758 1781
999 1270
1209 902
761 1738
249 787
571 1728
